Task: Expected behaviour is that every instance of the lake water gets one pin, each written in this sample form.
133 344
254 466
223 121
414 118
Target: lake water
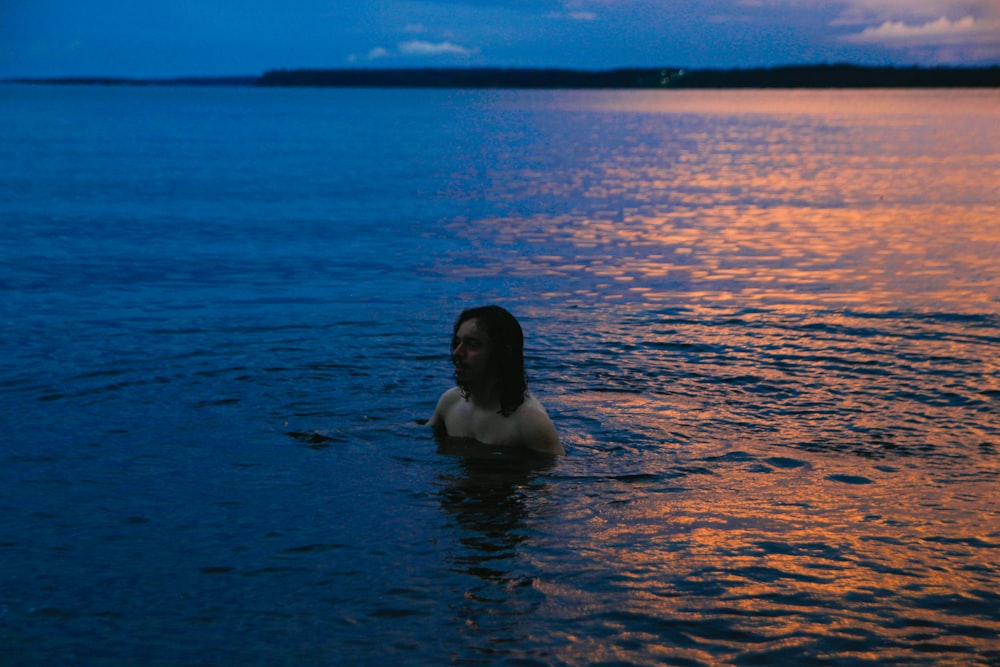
765 323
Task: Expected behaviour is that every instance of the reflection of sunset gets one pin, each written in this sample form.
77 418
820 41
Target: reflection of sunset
777 551
940 255
878 213
788 480
766 325
775 356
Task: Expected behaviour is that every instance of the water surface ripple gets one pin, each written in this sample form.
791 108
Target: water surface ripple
766 324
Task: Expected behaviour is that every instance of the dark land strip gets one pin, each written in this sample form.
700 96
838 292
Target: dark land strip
795 76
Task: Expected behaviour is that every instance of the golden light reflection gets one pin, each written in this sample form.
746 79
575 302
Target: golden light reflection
825 197
882 257
775 365
811 482
770 557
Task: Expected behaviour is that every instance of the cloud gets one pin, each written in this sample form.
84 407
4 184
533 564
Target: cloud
379 52
422 48
919 12
573 16
966 30
415 48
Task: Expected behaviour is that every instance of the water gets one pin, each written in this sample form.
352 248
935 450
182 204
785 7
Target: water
766 324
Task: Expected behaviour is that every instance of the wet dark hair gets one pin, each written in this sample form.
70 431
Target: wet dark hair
506 353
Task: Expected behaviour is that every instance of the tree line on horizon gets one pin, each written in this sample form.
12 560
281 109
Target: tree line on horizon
791 76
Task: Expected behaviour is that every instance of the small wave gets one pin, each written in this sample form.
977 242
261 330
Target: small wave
850 479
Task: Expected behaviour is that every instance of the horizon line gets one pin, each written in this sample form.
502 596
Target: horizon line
814 76
512 68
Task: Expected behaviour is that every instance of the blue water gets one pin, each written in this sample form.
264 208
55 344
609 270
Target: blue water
766 324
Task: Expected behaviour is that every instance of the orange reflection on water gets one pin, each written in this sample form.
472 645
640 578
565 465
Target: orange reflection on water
779 381
856 198
922 257
828 555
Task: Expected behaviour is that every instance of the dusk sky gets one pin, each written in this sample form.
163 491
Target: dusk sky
163 38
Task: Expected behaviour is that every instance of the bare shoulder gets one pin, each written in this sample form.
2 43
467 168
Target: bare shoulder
448 399
450 396
536 429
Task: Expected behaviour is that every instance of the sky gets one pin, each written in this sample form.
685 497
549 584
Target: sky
165 38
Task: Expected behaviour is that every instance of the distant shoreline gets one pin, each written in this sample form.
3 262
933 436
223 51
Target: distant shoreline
794 76
125 81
